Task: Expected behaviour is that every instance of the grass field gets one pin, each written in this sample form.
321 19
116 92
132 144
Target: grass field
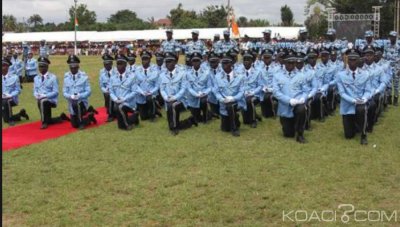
202 177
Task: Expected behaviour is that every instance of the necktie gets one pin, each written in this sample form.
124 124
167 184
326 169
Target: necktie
267 67
42 78
73 77
247 73
170 74
4 78
215 71
227 76
145 72
354 75
197 74
120 77
109 75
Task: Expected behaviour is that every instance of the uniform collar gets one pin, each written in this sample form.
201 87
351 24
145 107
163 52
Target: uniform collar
46 75
5 76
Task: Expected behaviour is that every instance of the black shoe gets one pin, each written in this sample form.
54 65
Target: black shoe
254 125
24 114
301 139
174 132
92 110
44 126
158 113
258 118
364 140
11 123
129 128
193 121
152 119
396 101
81 127
64 117
369 130
92 118
215 115
110 119
389 100
236 133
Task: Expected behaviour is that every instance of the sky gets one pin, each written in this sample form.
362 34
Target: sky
57 10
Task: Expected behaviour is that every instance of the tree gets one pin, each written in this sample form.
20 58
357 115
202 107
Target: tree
258 23
242 21
9 23
85 16
123 16
316 23
179 15
214 16
35 19
286 16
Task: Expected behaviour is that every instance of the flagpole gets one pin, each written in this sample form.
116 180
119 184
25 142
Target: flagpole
75 26
229 19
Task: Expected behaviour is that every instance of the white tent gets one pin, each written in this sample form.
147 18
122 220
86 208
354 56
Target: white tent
159 34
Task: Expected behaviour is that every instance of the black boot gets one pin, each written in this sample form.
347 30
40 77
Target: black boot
64 117
364 140
300 138
396 101
92 118
23 114
389 100
92 110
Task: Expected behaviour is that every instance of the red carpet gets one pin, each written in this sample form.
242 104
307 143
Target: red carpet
30 133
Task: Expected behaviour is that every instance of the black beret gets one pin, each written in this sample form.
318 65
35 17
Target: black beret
43 61
121 58
73 60
145 53
196 55
312 52
107 58
170 56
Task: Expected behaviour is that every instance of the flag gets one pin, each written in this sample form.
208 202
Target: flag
76 23
235 29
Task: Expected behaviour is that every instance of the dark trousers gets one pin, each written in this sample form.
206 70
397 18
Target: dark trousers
353 123
231 122
45 106
173 114
29 79
318 107
109 104
214 109
295 124
308 112
79 118
6 106
372 112
331 99
124 118
249 115
148 110
269 105
201 114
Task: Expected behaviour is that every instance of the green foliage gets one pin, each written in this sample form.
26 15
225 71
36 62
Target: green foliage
86 18
35 20
317 24
8 23
214 16
286 16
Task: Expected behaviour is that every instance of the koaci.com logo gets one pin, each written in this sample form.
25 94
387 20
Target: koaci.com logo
345 213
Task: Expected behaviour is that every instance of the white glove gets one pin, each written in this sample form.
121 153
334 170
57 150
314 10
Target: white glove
42 96
73 97
231 99
301 101
293 102
172 99
360 101
309 96
376 91
199 95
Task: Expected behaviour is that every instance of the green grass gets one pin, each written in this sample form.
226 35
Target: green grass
202 177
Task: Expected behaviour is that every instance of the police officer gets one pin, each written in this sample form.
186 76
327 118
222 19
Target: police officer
215 68
76 90
229 91
354 89
195 45
45 90
310 72
216 45
25 50
43 49
148 87
170 45
105 80
368 41
227 43
267 43
387 75
123 91
131 66
172 87
302 45
392 54
247 44
268 102
198 85
10 91
378 82
332 41
252 88
288 87
31 67
17 65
